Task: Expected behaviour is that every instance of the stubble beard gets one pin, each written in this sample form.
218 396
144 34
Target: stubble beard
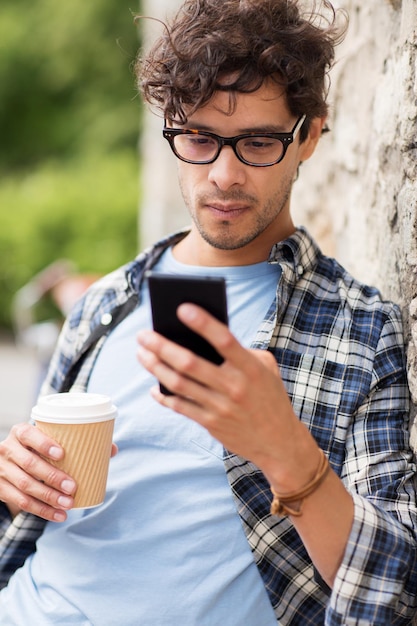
225 237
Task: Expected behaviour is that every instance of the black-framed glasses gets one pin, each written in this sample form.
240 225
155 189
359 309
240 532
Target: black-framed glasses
258 149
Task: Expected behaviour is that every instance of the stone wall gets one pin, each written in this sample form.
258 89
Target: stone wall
162 210
359 192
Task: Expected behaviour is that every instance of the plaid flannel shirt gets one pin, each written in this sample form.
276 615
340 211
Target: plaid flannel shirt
341 356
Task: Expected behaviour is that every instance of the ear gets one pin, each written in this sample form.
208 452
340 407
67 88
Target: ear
314 133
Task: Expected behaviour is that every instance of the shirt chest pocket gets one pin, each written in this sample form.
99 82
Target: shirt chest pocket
315 386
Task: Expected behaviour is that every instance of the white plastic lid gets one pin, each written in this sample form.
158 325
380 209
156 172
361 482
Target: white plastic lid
74 408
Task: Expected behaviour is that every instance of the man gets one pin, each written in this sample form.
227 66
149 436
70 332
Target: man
278 486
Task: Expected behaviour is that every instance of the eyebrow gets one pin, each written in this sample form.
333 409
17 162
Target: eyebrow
258 130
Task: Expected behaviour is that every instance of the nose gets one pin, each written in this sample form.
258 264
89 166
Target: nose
227 170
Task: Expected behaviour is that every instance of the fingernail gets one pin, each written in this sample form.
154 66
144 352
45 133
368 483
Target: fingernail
68 486
65 502
188 311
55 453
59 517
155 392
144 337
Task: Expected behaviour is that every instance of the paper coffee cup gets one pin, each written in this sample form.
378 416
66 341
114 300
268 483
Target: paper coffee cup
82 423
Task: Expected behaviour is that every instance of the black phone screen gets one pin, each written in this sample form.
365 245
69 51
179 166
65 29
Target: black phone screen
168 291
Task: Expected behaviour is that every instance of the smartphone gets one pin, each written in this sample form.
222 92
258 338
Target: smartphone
168 291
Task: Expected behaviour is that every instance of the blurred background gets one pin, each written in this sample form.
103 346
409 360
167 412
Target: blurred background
70 120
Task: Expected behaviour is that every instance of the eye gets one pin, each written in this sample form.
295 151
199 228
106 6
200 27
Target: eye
257 144
199 140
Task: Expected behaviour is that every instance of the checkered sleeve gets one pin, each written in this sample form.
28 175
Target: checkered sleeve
377 581
377 578
17 541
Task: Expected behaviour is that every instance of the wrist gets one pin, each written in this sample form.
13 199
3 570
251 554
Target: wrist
291 502
292 467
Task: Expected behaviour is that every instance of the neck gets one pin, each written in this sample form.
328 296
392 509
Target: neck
194 250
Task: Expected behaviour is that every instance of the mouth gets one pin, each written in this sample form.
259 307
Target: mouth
226 210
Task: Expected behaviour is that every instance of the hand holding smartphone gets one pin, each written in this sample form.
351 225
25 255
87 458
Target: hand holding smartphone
168 291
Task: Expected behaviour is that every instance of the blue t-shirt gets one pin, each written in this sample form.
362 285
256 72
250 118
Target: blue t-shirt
167 546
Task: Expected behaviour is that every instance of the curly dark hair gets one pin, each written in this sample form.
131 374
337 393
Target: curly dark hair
234 46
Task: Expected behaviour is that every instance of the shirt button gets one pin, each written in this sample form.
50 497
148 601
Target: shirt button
106 319
300 270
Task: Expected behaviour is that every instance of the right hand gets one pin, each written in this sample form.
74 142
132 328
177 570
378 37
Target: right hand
27 481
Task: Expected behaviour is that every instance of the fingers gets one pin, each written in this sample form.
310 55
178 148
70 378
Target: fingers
211 329
205 392
159 356
175 366
28 481
223 340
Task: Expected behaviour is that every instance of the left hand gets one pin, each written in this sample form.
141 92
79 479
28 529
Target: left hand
242 403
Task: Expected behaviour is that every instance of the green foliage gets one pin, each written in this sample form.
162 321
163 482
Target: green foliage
69 119
70 212
66 77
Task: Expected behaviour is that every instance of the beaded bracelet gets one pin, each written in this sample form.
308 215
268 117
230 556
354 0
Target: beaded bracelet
280 501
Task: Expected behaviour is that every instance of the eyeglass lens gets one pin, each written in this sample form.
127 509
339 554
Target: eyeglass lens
255 149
